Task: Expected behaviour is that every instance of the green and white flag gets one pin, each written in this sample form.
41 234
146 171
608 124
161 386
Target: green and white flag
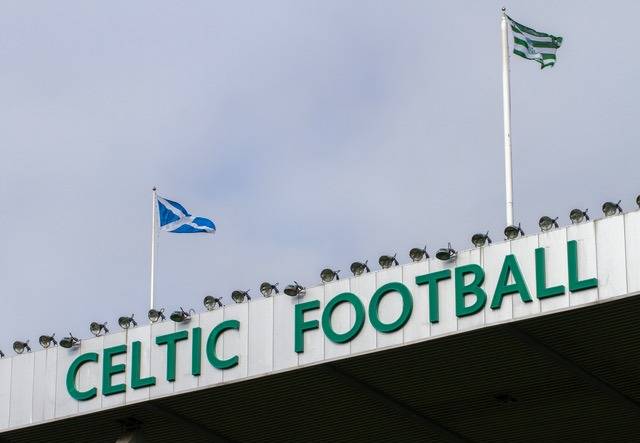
534 45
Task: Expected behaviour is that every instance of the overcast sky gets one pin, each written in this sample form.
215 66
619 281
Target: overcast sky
314 133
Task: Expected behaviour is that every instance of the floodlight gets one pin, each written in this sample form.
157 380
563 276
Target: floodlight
267 289
386 261
638 200
20 346
578 215
210 302
1 354
156 315
610 208
46 340
479 240
98 328
417 254
328 275
446 254
70 341
547 223
240 296
181 315
512 232
359 268
126 322
294 290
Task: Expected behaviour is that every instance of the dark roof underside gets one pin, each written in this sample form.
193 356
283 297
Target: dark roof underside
568 376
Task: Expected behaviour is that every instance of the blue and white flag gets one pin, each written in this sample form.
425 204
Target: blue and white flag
175 218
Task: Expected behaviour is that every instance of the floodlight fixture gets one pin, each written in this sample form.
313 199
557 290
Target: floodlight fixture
547 223
1 354
210 302
578 216
70 341
386 261
156 315
47 340
359 268
126 322
446 254
98 329
512 231
638 200
240 296
417 254
20 346
610 208
295 290
328 275
479 240
181 315
267 289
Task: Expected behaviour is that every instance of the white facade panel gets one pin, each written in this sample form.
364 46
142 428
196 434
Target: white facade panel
585 235
143 335
184 379
418 326
39 385
341 319
524 250
448 321
632 247
610 248
236 342
109 340
492 259
284 354
159 359
21 405
50 390
5 391
260 359
555 244
314 338
65 405
209 375
390 308
472 256
90 374
364 287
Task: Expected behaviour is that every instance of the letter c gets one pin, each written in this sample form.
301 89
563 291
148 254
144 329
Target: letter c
71 377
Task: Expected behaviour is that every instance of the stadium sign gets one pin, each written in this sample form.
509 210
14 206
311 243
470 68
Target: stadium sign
471 296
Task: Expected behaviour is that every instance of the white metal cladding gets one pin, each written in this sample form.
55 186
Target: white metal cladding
33 390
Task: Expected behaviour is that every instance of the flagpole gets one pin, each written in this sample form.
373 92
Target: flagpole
153 247
506 107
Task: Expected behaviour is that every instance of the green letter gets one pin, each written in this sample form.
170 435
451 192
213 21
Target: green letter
71 377
136 381
471 288
196 349
510 265
432 280
109 370
213 339
575 284
407 307
301 325
541 278
345 297
170 340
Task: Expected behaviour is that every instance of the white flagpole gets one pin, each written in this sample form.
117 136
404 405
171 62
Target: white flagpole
153 247
506 107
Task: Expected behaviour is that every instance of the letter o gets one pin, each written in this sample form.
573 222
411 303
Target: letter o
345 297
407 307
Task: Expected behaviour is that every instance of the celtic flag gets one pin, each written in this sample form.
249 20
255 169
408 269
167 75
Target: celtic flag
534 45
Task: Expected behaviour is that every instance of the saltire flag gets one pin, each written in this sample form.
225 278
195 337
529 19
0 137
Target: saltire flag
175 218
534 45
